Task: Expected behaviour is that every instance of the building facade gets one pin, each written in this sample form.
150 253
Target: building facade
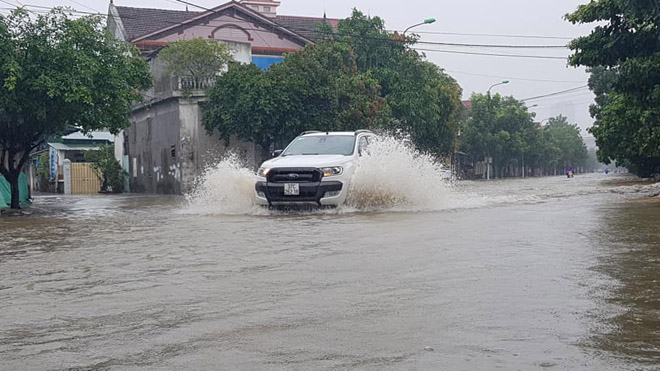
167 147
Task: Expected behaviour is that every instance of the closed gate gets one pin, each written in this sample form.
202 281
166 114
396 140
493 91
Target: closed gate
84 179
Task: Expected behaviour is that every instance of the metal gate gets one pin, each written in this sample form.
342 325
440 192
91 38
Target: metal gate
84 179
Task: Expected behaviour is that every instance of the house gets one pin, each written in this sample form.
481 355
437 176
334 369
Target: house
166 147
72 147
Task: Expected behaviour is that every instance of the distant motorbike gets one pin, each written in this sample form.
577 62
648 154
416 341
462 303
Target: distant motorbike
569 174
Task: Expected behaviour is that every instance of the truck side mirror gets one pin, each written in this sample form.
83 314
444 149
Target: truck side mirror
277 152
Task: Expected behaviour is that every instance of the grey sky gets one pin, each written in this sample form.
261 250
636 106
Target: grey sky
502 17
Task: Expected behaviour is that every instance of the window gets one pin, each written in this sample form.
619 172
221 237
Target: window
321 145
173 151
255 7
266 9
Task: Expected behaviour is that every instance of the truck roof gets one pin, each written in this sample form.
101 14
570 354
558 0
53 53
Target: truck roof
319 133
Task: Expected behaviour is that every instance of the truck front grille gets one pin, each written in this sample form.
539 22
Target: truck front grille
294 175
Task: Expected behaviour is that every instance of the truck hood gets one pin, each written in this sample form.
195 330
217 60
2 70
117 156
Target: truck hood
307 161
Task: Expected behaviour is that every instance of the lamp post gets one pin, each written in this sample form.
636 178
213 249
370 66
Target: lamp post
426 21
499 83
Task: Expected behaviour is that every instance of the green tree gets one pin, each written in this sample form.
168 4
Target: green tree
244 103
423 99
564 144
57 71
200 59
107 168
361 76
623 52
501 128
315 88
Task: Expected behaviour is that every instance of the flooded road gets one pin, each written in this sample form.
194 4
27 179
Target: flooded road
544 273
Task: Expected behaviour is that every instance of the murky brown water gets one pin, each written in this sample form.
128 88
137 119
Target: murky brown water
547 273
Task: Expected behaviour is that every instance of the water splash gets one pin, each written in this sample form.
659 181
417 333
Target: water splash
393 176
224 188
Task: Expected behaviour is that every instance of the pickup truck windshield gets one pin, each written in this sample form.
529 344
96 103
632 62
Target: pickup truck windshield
321 145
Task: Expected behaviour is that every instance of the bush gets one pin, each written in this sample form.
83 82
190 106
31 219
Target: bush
107 168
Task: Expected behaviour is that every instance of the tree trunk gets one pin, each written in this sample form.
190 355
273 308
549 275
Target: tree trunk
15 190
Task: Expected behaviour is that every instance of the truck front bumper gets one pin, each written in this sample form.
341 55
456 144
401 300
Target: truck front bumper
320 193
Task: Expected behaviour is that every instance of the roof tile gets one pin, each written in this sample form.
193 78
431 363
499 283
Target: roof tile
142 21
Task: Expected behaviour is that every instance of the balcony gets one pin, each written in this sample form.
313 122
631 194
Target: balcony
191 83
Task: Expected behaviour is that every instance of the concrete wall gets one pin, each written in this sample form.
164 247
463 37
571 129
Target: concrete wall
115 26
154 148
175 125
201 150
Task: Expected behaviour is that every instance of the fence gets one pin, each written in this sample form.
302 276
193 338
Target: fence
5 191
195 83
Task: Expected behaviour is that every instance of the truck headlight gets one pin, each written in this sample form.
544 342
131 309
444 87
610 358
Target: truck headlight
332 171
263 171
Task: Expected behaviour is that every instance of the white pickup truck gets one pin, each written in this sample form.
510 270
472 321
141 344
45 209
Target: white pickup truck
315 168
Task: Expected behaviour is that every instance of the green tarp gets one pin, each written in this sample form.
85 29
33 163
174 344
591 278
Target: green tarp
5 191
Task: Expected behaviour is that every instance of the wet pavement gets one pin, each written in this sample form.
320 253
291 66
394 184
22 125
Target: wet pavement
534 274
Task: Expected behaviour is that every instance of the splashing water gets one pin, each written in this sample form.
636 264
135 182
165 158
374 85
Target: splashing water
396 176
393 176
224 188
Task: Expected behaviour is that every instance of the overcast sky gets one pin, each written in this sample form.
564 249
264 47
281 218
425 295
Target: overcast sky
475 73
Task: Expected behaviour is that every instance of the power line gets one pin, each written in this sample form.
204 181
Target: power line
513 78
371 38
83 5
191 4
491 54
571 102
496 45
556 93
496 35
368 38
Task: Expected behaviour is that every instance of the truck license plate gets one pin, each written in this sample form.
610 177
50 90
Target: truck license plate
291 189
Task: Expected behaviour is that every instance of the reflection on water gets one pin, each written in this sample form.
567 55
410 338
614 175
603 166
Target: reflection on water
629 241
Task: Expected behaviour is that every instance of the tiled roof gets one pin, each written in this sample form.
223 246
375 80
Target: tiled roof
305 26
142 21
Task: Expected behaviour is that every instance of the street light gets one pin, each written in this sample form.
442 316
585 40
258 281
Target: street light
426 21
499 83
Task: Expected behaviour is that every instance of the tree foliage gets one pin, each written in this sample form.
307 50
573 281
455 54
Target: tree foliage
623 52
107 168
316 88
360 77
57 71
424 100
504 129
199 58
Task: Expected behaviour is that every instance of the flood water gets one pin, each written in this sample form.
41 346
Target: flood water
534 274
